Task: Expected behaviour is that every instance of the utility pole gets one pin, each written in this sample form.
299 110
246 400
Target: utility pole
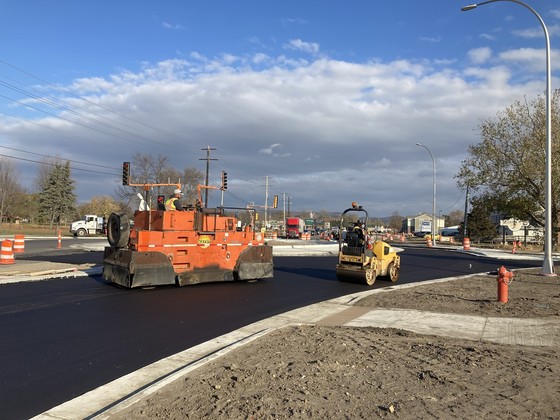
284 202
207 159
465 216
289 202
266 202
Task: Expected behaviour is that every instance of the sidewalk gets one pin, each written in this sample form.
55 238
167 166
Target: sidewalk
115 396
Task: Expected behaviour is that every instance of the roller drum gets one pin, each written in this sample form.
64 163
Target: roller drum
355 275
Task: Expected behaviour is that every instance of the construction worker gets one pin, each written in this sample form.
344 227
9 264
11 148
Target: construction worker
359 228
173 203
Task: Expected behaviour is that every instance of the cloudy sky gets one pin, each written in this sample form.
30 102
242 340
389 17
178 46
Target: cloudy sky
325 98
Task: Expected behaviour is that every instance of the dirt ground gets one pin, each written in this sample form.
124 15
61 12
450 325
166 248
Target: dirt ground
365 373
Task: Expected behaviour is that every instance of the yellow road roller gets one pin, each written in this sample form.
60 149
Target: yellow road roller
360 258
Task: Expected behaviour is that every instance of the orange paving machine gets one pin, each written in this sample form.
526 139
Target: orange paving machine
198 245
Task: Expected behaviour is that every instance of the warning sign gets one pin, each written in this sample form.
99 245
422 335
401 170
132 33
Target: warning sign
205 241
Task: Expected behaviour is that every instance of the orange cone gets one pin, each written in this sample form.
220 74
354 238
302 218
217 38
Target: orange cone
6 255
59 239
19 243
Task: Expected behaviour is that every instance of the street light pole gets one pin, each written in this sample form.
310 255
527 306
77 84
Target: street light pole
548 262
434 228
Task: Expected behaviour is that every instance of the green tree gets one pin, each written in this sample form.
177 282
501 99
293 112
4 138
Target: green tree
509 164
479 225
57 200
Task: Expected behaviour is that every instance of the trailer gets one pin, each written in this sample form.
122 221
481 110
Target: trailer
294 227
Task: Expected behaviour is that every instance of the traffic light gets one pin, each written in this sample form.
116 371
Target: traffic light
256 216
275 202
224 180
126 173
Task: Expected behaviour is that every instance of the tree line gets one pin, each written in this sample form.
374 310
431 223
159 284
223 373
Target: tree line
53 201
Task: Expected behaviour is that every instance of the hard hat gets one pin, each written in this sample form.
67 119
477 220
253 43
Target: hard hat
177 191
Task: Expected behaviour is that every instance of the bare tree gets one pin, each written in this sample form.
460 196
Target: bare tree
455 217
100 206
395 221
192 177
149 169
9 188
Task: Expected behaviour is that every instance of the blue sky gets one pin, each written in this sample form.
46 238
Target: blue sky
326 98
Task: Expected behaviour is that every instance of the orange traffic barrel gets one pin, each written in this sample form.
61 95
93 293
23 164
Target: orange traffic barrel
466 244
19 243
6 254
274 235
429 241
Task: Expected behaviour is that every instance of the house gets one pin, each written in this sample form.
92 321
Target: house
520 229
422 222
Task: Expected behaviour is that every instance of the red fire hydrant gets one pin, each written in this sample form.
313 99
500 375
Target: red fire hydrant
504 279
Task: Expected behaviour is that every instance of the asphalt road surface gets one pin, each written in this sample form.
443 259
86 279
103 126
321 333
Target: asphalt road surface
64 337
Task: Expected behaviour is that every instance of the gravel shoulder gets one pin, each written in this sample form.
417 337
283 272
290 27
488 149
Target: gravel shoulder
312 371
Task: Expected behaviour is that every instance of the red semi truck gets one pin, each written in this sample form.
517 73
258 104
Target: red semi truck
294 227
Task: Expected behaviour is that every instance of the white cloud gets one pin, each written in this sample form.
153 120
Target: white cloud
294 21
531 59
319 129
173 27
488 37
272 151
480 55
299 45
537 32
430 39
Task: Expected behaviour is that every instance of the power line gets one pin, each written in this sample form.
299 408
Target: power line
55 157
112 111
97 124
67 108
54 164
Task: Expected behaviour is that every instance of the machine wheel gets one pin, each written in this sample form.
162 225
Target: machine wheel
370 276
392 272
81 233
118 230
